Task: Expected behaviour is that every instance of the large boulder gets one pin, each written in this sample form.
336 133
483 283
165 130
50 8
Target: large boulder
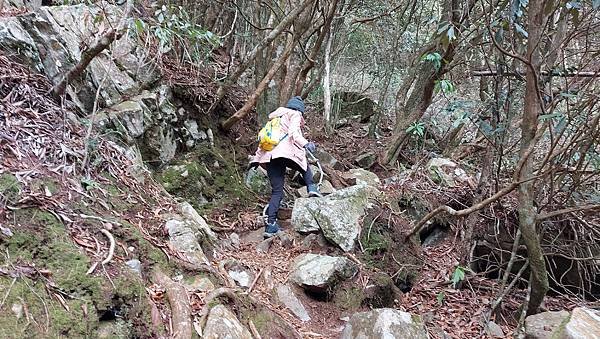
187 230
584 323
257 180
580 323
17 43
384 323
338 215
223 324
354 104
321 273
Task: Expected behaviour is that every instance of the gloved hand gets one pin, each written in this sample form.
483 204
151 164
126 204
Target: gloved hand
311 147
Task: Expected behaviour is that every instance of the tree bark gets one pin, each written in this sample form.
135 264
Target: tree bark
327 84
527 211
241 113
309 63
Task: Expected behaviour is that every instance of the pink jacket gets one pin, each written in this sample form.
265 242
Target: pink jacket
292 147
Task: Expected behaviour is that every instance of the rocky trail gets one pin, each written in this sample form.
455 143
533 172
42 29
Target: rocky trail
125 212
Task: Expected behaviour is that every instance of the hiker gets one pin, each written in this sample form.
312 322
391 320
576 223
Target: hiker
288 153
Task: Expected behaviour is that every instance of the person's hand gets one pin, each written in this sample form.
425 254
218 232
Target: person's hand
311 147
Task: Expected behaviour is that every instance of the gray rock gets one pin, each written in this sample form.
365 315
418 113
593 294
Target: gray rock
160 142
338 215
265 245
185 230
326 188
494 330
321 273
183 238
366 160
235 240
222 324
435 237
201 284
197 222
131 115
287 297
29 4
584 323
257 180
362 177
545 325
384 323
117 329
448 173
16 42
241 277
327 159
135 265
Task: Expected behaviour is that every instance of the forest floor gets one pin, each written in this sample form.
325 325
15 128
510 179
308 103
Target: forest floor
447 311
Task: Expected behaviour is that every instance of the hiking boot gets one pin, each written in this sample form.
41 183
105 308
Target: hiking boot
271 230
313 191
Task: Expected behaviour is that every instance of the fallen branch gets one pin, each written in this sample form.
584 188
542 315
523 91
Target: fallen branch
179 303
111 249
254 330
589 208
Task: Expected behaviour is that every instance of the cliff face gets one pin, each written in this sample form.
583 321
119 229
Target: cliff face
83 222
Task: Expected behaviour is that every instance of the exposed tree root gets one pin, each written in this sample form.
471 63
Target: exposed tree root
219 292
179 303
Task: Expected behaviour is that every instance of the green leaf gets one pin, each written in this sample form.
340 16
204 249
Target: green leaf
440 298
458 275
139 25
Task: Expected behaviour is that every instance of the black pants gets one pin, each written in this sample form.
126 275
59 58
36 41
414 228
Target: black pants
276 171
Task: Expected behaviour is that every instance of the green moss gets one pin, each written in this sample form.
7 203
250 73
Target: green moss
10 188
349 299
41 239
205 188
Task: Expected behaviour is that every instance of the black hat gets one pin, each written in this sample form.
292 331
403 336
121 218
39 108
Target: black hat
296 103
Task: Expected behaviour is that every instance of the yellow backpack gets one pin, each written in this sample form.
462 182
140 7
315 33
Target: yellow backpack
271 135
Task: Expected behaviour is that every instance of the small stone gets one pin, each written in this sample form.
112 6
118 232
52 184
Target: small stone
135 265
362 177
265 245
131 249
494 330
216 164
287 297
17 310
242 278
201 284
544 325
366 160
235 240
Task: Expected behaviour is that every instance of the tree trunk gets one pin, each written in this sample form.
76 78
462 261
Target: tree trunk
249 59
326 84
527 211
310 61
241 113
